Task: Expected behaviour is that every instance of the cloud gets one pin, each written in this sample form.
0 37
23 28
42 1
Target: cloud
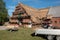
11 7
10 11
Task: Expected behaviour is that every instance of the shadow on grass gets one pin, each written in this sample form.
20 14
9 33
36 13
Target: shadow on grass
11 30
41 35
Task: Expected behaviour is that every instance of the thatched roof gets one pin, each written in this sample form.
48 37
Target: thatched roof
13 20
35 13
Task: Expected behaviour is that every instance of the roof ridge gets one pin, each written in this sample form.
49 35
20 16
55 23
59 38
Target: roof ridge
27 6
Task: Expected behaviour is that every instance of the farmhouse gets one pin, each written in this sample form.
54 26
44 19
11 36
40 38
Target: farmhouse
55 12
30 17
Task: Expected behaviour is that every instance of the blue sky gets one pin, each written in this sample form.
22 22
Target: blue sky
11 4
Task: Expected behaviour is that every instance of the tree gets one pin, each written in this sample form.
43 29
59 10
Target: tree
3 12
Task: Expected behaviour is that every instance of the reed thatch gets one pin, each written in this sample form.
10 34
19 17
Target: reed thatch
35 14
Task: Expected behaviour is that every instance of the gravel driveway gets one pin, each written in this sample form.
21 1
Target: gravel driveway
3 27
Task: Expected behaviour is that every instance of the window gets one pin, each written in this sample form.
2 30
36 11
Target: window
55 21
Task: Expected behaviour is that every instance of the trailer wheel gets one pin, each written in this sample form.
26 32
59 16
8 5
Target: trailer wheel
57 37
35 34
50 37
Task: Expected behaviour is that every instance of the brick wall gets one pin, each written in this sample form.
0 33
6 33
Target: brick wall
56 22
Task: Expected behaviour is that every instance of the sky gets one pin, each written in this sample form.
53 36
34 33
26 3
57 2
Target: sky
11 4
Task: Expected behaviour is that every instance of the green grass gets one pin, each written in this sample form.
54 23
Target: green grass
22 34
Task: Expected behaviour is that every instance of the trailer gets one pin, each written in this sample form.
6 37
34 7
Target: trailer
49 32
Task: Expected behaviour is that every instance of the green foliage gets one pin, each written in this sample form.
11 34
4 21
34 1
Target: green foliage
3 12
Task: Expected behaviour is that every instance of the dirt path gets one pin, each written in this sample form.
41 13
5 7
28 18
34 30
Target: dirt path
3 27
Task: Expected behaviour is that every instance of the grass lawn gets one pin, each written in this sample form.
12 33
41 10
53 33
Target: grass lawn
22 34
